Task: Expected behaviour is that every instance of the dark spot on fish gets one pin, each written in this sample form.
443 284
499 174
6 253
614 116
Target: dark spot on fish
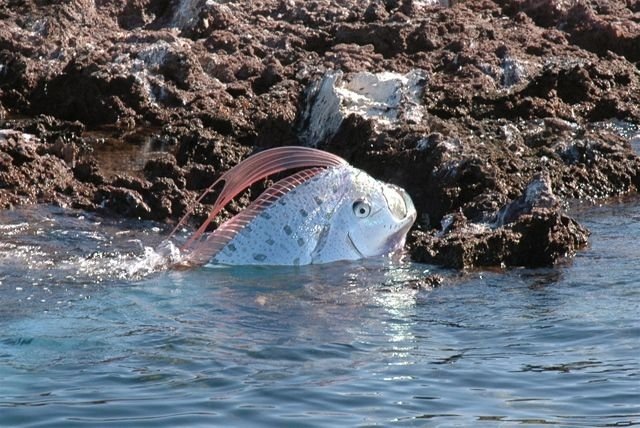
281 202
296 261
300 242
303 213
231 247
318 200
247 228
334 188
259 257
266 215
270 241
287 229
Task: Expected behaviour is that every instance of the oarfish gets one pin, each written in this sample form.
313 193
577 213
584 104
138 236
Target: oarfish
328 212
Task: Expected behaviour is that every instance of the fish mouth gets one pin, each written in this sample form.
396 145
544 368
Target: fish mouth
399 203
353 244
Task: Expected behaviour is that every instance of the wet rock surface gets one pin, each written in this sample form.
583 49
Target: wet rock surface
496 113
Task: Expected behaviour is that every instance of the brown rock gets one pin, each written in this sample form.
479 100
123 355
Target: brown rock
516 89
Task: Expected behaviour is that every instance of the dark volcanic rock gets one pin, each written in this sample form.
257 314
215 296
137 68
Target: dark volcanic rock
539 239
467 107
123 201
528 231
26 176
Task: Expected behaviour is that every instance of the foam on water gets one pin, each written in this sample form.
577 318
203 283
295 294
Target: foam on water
50 255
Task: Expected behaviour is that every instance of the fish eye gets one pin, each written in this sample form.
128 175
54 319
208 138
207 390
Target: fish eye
361 208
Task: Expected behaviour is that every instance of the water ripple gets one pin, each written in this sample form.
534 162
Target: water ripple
94 333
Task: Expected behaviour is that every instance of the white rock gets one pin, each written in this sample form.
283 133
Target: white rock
513 72
423 144
6 133
186 13
424 3
386 99
635 143
154 55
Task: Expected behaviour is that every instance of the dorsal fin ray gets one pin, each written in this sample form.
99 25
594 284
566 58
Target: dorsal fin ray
205 250
253 169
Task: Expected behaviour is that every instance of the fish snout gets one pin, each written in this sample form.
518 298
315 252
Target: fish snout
399 202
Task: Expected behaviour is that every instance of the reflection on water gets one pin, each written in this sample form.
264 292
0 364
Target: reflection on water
96 331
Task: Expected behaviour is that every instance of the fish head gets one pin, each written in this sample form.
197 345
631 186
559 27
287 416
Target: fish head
377 216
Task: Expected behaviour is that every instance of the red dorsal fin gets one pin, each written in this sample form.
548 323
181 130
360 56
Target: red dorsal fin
253 169
205 250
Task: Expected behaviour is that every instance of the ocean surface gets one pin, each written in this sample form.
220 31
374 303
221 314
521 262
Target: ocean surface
96 331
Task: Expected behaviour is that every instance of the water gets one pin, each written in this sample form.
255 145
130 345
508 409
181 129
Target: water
95 331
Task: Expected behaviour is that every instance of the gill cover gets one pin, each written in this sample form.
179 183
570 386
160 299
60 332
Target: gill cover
372 220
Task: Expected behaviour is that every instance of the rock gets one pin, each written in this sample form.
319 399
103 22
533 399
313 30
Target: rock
164 167
386 99
492 114
88 172
537 195
542 238
34 177
427 283
529 231
123 201
376 11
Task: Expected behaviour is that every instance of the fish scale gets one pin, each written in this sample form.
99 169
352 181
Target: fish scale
296 216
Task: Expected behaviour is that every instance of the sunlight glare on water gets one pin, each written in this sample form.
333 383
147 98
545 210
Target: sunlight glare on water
95 331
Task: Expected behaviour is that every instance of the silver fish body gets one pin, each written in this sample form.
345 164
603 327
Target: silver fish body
337 213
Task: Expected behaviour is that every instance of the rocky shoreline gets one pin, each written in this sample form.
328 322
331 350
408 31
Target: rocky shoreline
492 114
